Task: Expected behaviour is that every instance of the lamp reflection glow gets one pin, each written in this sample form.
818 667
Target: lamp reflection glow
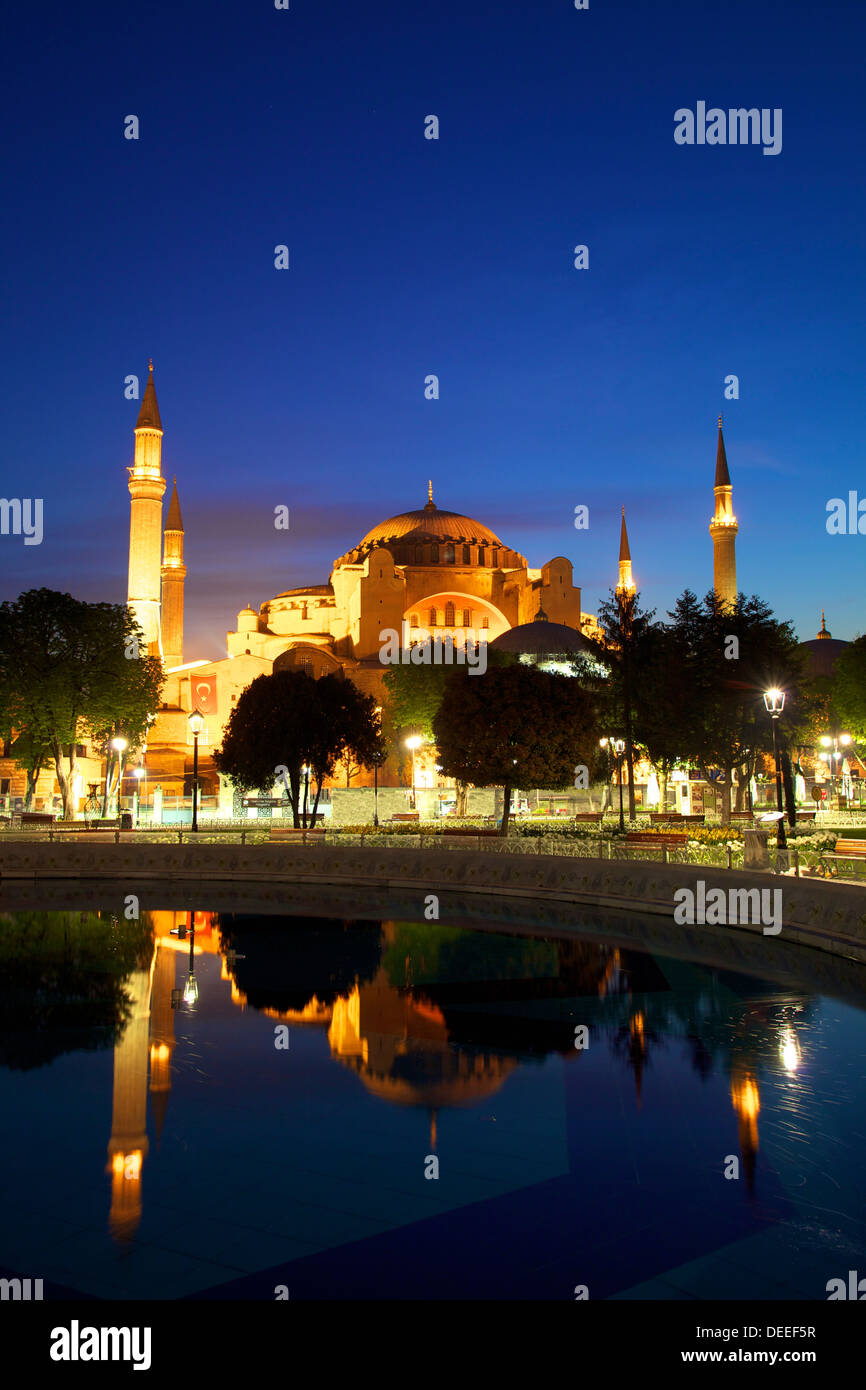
190 993
789 1050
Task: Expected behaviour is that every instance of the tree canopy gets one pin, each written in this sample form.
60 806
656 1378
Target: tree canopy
287 720
515 726
70 670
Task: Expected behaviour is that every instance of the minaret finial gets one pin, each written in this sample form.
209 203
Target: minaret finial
429 489
150 364
720 422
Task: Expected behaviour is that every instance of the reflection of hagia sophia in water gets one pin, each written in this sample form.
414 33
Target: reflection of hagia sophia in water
424 1042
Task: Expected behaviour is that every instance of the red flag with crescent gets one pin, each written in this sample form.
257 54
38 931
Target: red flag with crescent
204 696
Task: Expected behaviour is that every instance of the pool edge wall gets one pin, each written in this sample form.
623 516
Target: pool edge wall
830 917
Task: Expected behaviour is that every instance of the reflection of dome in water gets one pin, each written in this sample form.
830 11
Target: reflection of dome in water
399 1047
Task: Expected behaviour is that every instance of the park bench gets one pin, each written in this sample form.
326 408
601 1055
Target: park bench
35 818
674 818
656 839
83 825
805 815
588 817
294 834
851 850
742 815
406 815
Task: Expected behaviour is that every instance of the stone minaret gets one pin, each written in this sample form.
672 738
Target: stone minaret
146 487
626 583
173 575
723 529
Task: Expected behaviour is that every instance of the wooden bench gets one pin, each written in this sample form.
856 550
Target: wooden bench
36 818
656 839
851 850
674 818
742 815
467 830
805 815
407 815
296 834
588 817
83 825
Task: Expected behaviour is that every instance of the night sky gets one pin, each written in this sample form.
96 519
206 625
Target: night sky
306 387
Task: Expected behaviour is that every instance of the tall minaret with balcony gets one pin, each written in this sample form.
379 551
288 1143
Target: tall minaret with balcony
723 529
146 488
173 575
626 583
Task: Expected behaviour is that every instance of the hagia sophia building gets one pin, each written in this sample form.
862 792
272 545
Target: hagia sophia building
429 569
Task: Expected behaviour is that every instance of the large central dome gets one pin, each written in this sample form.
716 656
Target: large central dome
430 521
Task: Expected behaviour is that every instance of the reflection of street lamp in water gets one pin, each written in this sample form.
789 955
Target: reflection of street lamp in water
414 743
190 993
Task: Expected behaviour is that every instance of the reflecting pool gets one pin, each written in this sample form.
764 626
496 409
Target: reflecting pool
239 1102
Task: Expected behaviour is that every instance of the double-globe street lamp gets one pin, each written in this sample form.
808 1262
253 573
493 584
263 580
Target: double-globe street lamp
835 757
196 723
618 746
774 702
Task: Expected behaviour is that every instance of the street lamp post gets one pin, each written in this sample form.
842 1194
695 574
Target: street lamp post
305 769
119 745
619 749
377 711
774 702
196 723
414 743
138 773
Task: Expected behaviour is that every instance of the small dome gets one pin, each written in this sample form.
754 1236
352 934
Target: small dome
542 639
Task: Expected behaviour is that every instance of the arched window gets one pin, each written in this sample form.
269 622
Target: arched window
434 554
482 555
413 620
466 555
485 622
467 617
449 554
449 615
303 612
494 558
431 620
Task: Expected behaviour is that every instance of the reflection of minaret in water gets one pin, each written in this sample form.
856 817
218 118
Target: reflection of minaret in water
747 1104
128 1145
161 1034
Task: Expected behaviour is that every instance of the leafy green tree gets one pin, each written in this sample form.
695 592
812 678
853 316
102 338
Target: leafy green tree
730 655
624 626
662 717
69 670
848 690
287 720
514 726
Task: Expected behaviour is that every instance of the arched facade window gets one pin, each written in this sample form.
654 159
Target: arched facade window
494 558
482 555
485 622
413 620
449 554
431 618
466 555
449 615
467 617
434 555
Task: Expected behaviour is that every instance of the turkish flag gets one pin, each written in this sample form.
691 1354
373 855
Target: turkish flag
204 695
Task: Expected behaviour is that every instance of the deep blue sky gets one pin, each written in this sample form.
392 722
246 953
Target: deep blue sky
411 256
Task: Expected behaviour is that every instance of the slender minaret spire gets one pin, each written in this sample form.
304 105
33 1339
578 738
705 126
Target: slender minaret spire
723 529
173 575
430 503
626 583
146 487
